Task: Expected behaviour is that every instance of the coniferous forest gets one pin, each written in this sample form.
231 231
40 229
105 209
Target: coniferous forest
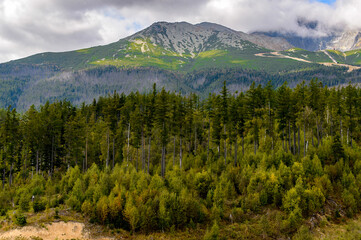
269 162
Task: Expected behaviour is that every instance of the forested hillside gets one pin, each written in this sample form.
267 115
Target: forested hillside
25 85
268 163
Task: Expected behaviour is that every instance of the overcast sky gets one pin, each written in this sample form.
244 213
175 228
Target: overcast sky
32 26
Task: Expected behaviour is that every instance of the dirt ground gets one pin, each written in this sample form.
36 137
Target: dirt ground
49 231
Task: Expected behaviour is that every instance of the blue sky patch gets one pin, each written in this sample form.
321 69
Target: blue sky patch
326 1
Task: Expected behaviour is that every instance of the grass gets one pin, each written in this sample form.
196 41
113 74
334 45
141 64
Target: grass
353 57
242 62
212 54
141 60
353 52
316 57
85 50
348 230
295 49
336 52
340 57
142 52
253 228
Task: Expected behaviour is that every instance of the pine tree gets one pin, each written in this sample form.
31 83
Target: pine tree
162 116
225 113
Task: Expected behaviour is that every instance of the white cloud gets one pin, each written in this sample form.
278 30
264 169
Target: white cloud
28 27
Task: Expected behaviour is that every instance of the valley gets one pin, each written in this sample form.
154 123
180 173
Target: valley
170 55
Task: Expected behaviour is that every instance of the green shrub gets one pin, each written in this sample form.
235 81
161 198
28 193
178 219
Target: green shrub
294 219
303 233
2 211
74 203
38 206
56 216
20 219
349 202
213 233
24 202
87 209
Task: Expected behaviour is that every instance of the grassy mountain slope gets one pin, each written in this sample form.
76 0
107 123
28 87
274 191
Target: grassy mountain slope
351 57
179 46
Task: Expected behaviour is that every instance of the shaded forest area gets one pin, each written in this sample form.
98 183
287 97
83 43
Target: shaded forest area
22 85
270 162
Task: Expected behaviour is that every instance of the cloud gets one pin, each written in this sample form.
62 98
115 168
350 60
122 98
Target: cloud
28 27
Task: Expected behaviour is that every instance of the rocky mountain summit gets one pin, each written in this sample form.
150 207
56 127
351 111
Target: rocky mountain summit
183 37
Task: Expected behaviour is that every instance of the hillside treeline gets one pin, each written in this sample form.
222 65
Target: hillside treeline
22 85
267 158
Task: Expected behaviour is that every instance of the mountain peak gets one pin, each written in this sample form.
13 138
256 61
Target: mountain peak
214 27
170 24
186 38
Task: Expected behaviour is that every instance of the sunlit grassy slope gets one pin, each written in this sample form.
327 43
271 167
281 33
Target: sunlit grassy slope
143 53
351 57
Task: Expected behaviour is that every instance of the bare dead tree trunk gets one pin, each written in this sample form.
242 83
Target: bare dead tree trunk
40 164
173 151
351 137
235 152
180 152
11 175
304 139
25 160
243 144
294 141
37 162
321 131
255 147
255 141
113 155
289 137
3 178
128 142
162 161
86 152
143 152
52 157
195 140
150 138
225 144
341 130
318 133
107 160
209 136
299 141
137 159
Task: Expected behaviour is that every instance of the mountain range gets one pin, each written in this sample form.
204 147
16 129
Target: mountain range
181 57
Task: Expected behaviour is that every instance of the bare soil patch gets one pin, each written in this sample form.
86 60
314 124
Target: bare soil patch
50 231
